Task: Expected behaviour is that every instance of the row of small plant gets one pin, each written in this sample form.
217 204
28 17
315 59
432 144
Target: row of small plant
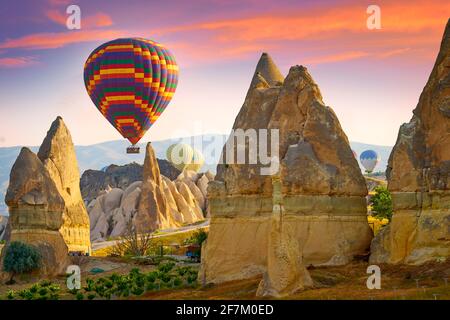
136 283
44 290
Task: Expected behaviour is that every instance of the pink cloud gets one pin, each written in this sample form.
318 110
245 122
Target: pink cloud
98 20
56 16
58 2
394 52
339 30
400 16
58 40
17 62
337 57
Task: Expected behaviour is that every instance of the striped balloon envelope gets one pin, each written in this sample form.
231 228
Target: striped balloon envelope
131 81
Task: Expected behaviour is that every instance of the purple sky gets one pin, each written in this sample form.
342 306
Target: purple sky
371 78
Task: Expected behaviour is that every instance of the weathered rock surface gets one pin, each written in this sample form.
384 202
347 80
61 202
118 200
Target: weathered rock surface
114 176
153 210
36 211
3 227
286 274
418 176
323 190
154 203
57 153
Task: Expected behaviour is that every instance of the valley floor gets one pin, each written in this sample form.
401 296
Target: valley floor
426 282
340 283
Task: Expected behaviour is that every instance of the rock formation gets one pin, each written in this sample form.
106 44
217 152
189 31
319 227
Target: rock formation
323 190
114 176
3 227
418 176
153 210
36 211
57 153
286 274
154 203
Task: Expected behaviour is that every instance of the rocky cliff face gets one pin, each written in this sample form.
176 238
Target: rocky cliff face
322 188
156 202
418 176
95 181
57 153
36 211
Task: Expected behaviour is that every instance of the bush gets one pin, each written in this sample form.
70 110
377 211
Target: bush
198 237
44 290
381 203
21 258
166 267
79 296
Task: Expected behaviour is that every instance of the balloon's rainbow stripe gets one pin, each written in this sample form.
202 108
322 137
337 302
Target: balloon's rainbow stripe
131 81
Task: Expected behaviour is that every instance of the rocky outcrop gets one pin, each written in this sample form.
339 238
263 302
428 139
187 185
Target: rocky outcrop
3 227
36 211
418 177
57 153
322 188
95 181
154 203
156 209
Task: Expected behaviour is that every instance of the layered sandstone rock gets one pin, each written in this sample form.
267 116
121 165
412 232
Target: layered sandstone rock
418 176
154 203
36 211
57 153
3 227
323 190
286 274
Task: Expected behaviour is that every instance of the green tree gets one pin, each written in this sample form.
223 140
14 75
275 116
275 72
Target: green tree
381 203
20 258
199 237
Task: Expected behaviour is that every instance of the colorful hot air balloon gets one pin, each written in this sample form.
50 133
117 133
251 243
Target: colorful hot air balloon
369 160
131 81
183 157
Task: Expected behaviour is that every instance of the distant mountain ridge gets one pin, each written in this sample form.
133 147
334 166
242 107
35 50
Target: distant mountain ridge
101 155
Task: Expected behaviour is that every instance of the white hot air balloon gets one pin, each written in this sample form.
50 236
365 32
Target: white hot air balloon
183 157
369 159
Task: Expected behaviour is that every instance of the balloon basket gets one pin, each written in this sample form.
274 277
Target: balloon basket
132 149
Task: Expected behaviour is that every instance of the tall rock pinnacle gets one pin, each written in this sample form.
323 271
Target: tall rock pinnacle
57 153
268 70
36 211
322 189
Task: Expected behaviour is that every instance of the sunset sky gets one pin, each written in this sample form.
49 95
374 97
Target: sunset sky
371 78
